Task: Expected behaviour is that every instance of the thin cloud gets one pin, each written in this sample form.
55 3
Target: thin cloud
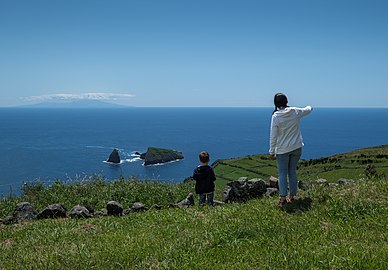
73 97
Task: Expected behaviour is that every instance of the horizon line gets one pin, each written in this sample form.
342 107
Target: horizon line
123 106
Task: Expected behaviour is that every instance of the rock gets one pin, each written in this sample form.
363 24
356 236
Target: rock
90 209
271 192
114 157
218 203
8 220
114 208
242 180
187 202
79 211
24 211
240 189
226 194
101 213
160 155
243 189
257 188
274 182
321 181
53 211
344 182
138 207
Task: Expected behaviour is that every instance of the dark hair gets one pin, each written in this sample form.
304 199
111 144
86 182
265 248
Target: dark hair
204 157
280 100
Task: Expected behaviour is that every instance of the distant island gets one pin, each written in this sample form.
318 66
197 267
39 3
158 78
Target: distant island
156 155
75 104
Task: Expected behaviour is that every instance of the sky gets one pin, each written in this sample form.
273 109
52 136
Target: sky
195 53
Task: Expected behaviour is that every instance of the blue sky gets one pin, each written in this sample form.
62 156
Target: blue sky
327 53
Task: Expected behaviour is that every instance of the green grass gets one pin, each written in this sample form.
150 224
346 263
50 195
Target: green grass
336 227
332 228
96 192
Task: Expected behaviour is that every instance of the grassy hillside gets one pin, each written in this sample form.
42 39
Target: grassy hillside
338 228
351 165
330 227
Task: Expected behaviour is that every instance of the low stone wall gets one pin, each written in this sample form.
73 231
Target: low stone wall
240 190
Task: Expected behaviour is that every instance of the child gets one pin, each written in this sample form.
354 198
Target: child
204 180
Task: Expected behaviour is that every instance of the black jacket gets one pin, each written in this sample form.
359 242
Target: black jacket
204 179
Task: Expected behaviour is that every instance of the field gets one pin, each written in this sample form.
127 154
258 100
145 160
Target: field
351 165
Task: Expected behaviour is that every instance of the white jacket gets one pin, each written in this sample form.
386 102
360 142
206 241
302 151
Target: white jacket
285 135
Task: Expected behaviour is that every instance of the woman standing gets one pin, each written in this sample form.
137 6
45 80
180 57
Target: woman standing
286 144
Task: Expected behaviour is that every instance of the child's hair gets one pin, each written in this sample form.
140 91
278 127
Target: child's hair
204 157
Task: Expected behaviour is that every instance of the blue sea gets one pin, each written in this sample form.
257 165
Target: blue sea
73 144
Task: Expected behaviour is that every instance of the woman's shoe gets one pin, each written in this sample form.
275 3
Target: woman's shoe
282 202
291 199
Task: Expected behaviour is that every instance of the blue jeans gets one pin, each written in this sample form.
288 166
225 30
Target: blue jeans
210 198
287 164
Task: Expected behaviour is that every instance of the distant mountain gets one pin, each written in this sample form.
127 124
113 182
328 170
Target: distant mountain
76 104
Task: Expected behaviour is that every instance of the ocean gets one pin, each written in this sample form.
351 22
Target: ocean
73 144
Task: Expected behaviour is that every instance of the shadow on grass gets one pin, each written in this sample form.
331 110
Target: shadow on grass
298 205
